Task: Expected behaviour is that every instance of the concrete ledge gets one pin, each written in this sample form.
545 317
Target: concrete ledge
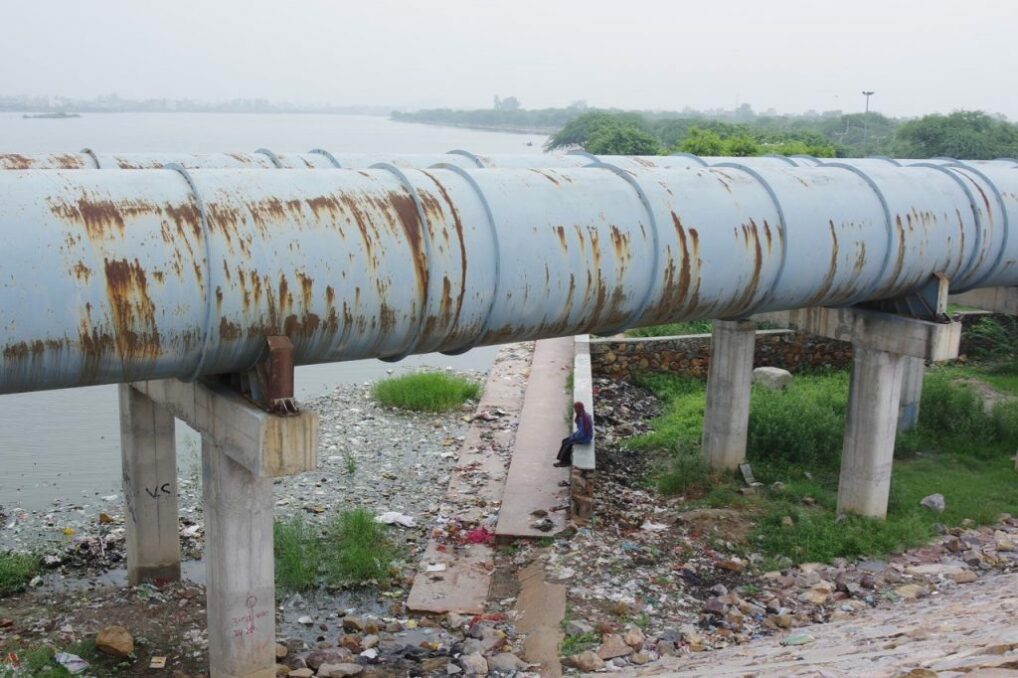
583 391
879 331
267 445
581 475
996 299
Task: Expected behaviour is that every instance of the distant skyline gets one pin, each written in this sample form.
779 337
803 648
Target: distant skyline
789 55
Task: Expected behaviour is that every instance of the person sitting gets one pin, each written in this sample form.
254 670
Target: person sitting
584 434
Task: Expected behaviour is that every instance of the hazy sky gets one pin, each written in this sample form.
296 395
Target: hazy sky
792 55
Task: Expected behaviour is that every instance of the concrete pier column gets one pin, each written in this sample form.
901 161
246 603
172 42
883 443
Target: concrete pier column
149 463
870 428
726 415
911 393
240 568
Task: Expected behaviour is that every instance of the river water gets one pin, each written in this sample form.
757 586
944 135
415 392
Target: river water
64 446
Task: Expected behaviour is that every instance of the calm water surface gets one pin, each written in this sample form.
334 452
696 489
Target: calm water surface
65 445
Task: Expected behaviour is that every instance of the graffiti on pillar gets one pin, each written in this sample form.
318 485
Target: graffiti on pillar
164 490
247 624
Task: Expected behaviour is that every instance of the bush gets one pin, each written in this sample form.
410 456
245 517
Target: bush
296 546
803 425
671 329
364 553
16 570
351 549
425 392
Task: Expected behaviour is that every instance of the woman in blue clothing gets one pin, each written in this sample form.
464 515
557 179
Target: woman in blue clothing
584 434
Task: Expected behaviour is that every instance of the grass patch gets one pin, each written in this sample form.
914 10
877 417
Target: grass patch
39 661
578 643
425 392
16 570
671 329
352 549
795 437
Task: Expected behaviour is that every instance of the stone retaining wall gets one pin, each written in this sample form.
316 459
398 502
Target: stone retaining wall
690 355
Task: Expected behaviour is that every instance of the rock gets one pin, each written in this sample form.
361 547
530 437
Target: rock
910 591
577 628
639 658
544 524
815 596
732 565
318 658
369 641
964 577
281 651
505 661
115 641
934 502
634 638
282 670
361 624
787 521
341 670
452 670
305 620
587 661
1003 541
301 673
714 605
773 378
474 664
782 621
455 621
613 646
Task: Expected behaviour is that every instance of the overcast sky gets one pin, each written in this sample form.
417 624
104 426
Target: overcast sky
792 55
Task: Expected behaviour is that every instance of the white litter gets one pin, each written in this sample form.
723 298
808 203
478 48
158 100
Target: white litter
395 518
72 662
436 567
651 526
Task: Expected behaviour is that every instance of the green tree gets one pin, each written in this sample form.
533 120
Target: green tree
581 129
702 142
622 139
741 145
972 135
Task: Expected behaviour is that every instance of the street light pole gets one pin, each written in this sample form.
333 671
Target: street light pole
866 116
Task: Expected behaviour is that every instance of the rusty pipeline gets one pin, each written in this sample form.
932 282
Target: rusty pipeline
123 276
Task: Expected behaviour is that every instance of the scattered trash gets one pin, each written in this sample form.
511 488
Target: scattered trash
395 518
544 524
72 663
435 567
651 526
798 639
305 620
157 663
480 536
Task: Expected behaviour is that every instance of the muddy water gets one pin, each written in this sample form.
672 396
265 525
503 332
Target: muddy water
64 445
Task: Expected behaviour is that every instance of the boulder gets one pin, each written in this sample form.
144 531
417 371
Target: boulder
934 502
474 664
773 378
587 661
613 646
115 641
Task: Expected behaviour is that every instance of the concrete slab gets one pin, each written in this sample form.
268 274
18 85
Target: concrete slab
533 483
475 494
542 607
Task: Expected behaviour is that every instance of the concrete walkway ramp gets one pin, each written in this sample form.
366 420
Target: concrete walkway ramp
533 490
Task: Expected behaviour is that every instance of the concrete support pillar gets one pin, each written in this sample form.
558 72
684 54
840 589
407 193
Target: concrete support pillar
911 393
149 463
870 428
726 416
239 560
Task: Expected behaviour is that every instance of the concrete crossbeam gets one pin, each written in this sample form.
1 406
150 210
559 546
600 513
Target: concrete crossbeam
726 415
996 299
879 331
267 445
149 464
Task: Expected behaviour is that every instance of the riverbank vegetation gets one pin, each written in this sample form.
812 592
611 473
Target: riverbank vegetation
16 570
962 448
426 392
352 549
745 132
